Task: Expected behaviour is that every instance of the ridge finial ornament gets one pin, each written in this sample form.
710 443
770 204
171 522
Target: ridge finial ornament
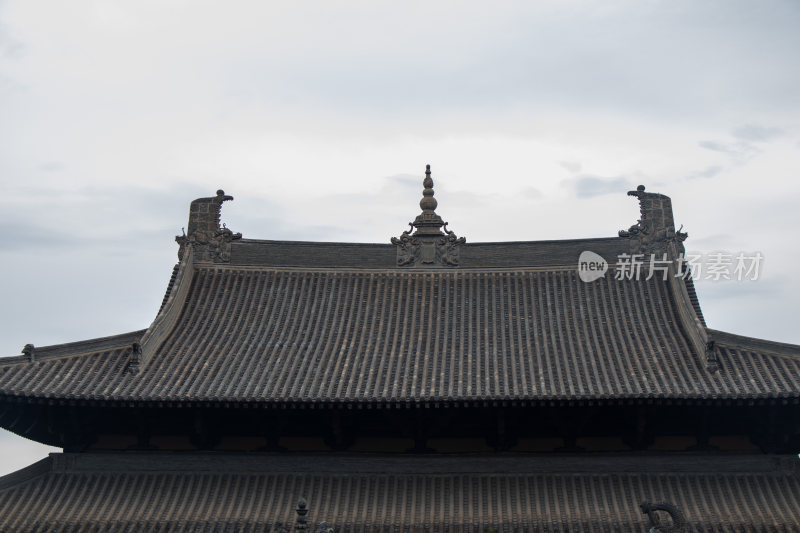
428 242
135 358
302 521
210 238
29 351
653 512
654 232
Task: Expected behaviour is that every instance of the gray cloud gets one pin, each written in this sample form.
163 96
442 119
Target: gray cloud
532 193
530 56
403 181
588 186
69 218
717 147
37 236
739 152
754 133
710 242
462 199
10 48
573 167
592 71
722 291
708 172
52 166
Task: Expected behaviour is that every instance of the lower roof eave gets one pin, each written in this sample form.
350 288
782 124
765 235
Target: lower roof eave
371 492
415 403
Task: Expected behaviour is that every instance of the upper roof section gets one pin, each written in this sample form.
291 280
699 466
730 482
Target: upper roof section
425 318
427 244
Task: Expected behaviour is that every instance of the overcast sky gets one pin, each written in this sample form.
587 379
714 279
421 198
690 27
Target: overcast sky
319 118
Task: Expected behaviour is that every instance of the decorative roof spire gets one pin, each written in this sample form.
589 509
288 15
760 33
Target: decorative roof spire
428 202
302 511
431 243
428 222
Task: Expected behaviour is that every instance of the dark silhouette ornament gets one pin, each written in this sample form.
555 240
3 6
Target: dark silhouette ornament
655 514
428 242
655 230
210 240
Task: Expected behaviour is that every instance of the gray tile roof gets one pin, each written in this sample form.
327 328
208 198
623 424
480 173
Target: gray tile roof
213 492
294 335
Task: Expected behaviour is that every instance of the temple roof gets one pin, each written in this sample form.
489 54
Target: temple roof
282 335
429 318
183 493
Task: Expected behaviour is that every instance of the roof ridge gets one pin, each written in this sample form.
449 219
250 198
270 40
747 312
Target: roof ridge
171 309
376 270
691 321
732 340
611 238
170 286
30 472
476 463
69 349
692 291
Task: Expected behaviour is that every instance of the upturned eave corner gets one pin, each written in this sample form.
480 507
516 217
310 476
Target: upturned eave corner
205 239
695 329
141 353
654 236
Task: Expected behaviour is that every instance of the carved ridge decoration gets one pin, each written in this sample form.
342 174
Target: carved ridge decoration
408 247
135 358
208 238
214 246
653 232
301 523
29 351
653 510
448 247
712 363
428 242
